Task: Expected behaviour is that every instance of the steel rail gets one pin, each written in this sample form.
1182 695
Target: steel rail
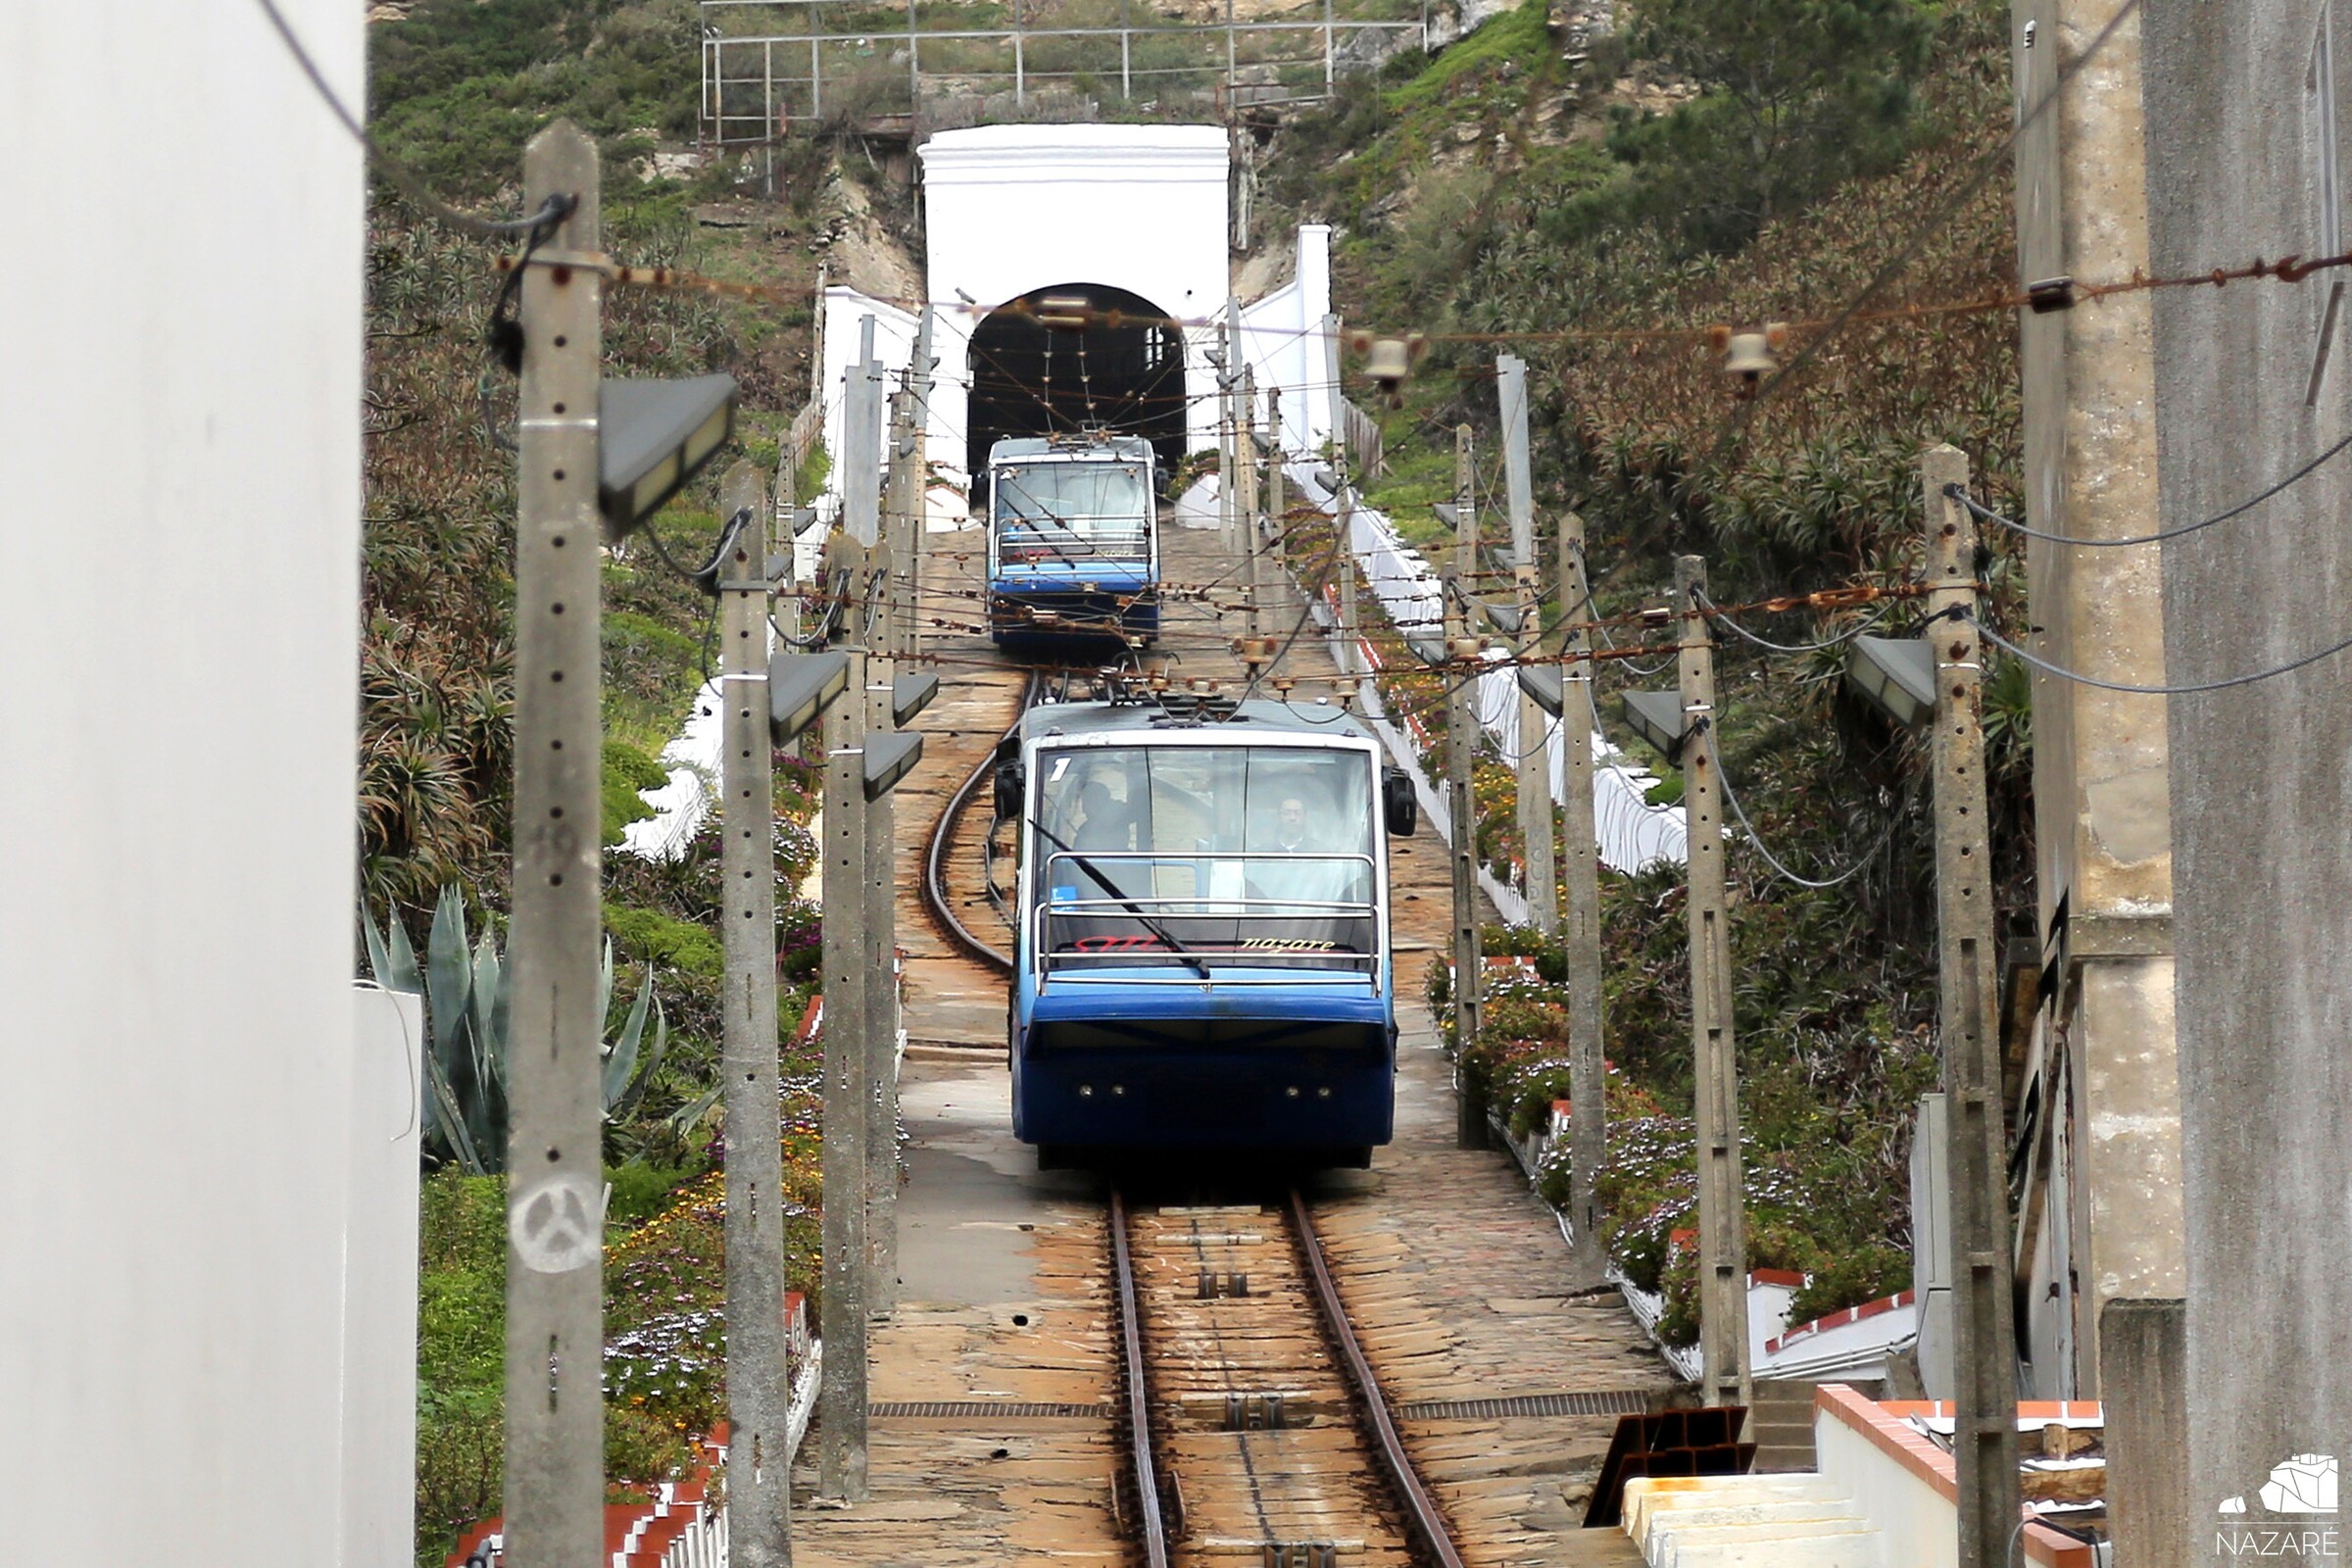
1421 1509
1139 1412
943 837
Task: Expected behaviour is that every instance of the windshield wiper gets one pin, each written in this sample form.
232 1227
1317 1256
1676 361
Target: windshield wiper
1190 957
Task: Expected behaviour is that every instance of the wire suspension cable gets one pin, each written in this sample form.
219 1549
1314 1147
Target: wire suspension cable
1995 158
1732 798
1716 614
396 172
1977 507
2077 676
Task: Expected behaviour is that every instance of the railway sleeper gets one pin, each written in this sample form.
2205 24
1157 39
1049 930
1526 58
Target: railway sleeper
1264 1410
1254 1412
1278 1554
1302 1554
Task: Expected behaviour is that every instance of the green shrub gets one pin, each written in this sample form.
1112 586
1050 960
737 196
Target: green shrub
460 1355
627 771
1862 1272
652 937
639 1191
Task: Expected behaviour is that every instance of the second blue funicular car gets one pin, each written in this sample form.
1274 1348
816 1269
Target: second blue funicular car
1073 540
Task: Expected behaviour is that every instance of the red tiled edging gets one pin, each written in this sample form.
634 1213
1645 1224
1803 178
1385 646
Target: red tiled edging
1894 1437
1838 1320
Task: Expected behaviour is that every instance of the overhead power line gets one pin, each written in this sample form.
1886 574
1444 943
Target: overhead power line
1933 221
2077 676
392 169
1958 493
1756 840
1716 614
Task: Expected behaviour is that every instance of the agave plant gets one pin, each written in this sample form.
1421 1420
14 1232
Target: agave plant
466 1002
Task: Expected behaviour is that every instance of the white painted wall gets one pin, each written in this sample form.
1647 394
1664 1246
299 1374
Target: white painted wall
1011 209
179 630
1917 1523
379 1281
1282 337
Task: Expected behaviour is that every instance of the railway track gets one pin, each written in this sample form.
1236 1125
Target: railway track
959 870
1256 1431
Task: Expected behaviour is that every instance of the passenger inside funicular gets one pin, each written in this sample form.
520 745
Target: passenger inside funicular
1232 824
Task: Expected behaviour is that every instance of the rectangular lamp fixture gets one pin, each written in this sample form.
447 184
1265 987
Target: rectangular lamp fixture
890 755
652 438
1657 717
1897 674
910 695
799 688
1545 684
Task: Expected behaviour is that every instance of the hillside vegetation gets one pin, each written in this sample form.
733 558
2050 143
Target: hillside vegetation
1503 198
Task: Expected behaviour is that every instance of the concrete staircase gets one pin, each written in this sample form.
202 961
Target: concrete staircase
1780 1423
1751 1521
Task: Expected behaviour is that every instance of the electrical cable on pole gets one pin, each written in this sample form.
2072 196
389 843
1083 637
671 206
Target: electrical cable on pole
1983 1307
758 1382
1987 514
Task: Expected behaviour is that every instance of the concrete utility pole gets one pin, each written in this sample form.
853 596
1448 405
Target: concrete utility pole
1253 533
901 494
910 560
850 1028
1461 752
555 1440
816 333
1580 928
1722 1210
1229 446
758 1385
1343 504
1534 754
1984 1337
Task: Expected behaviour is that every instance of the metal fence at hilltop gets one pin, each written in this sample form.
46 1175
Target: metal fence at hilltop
774 66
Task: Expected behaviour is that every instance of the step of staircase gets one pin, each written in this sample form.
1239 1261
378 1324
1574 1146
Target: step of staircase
1781 1425
1751 1521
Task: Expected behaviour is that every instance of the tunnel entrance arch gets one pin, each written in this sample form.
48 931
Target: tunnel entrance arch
1047 362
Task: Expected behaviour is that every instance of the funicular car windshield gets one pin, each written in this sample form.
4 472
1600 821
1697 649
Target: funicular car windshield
1081 509
1171 856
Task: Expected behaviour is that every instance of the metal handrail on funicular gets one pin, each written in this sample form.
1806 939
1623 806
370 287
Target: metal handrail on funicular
1363 967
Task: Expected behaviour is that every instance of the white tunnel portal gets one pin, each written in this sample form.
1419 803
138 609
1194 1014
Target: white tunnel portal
1123 369
1133 220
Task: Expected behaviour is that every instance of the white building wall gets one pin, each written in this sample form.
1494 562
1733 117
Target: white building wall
179 634
379 1281
1282 337
1012 208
